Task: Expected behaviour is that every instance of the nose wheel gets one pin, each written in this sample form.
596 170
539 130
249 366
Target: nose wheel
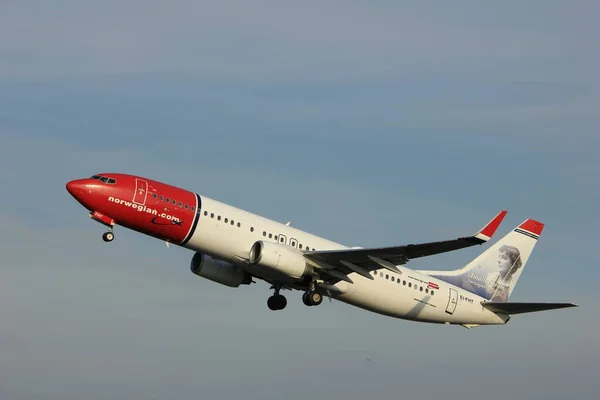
108 236
106 221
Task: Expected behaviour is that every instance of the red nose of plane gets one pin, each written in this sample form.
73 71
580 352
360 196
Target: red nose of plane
77 188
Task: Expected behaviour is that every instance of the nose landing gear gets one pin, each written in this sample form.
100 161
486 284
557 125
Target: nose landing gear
107 221
108 236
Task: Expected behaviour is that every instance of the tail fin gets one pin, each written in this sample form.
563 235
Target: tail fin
494 273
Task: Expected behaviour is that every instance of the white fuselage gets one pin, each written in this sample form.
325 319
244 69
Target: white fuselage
406 295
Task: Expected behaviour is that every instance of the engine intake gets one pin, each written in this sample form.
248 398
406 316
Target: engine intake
218 271
279 258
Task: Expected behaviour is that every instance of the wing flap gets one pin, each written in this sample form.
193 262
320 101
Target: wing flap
521 308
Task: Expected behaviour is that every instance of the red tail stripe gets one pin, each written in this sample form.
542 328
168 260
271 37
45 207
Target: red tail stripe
532 226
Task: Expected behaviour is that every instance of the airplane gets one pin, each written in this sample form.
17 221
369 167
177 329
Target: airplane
233 247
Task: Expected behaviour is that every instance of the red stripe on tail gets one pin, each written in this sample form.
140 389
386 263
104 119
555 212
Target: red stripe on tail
532 226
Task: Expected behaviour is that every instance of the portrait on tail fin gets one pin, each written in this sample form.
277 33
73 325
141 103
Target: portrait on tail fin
495 272
493 277
509 263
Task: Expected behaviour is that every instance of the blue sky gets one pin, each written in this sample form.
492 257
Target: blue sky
368 124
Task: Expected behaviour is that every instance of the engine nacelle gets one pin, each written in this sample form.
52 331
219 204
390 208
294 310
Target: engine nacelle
279 258
218 271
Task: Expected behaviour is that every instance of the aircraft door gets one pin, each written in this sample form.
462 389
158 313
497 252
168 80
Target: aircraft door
141 191
452 301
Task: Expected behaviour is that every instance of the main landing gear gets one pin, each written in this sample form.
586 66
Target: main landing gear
277 301
312 298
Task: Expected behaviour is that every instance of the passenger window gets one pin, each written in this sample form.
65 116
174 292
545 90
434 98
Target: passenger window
232 223
192 208
270 235
393 279
161 198
264 233
180 204
300 245
381 274
168 200
387 276
239 225
409 284
432 292
226 220
212 215
174 201
421 288
186 207
218 218
155 195
275 237
251 229
205 213
403 283
426 290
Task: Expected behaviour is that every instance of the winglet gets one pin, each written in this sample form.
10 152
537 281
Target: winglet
488 231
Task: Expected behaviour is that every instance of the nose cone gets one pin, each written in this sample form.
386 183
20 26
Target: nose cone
77 188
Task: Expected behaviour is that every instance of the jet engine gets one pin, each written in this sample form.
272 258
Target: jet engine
280 258
218 271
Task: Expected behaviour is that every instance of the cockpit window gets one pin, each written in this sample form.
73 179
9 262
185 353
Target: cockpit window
104 179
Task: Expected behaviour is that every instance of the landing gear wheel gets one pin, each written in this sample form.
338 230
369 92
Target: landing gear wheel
315 298
312 298
305 299
108 236
276 302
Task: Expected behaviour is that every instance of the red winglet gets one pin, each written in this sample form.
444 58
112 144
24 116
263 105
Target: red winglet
490 228
532 226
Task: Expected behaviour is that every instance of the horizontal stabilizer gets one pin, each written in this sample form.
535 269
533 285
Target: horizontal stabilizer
520 308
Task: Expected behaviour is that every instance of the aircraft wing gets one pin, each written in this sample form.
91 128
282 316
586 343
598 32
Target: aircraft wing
339 263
